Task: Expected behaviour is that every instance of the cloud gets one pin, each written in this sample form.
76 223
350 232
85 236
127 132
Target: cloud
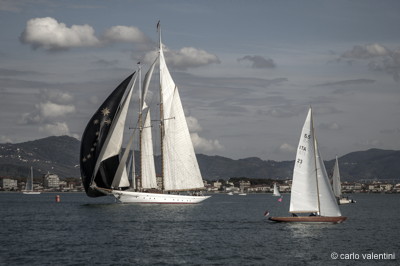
258 61
380 58
49 109
286 148
56 129
189 57
53 105
56 96
202 144
329 126
199 143
124 34
193 124
347 82
366 51
49 34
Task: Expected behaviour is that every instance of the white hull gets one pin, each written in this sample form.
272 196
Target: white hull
345 201
156 198
31 192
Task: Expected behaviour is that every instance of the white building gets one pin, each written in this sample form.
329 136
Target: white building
51 181
8 184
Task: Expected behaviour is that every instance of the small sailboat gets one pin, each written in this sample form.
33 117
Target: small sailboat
103 164
311 189
276 192
29 185
337 186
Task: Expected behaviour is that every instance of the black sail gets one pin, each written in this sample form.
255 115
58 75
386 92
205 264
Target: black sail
93 140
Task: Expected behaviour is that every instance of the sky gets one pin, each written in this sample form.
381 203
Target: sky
247 70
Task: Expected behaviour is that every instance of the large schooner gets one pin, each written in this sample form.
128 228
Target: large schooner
104 162
311 190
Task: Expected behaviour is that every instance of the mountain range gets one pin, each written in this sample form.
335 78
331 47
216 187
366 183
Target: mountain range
60 155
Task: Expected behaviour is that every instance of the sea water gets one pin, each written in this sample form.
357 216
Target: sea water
223 230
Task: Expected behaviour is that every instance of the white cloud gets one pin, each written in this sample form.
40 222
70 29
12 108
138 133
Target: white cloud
5 139
49 109
49 34
199 143
193 124
124 34
258 61
187 57
366 51
286 148
56 129
202 144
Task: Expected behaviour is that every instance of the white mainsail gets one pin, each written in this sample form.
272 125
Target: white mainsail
148 172
180 168
311 190
304 193
337 190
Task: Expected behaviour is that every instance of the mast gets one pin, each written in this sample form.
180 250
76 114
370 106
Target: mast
161 109
139 179
315 159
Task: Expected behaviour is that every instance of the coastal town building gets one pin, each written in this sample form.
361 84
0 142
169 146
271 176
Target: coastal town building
8 184
51 181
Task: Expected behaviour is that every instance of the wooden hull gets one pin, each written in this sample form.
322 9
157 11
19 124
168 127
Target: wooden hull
309 219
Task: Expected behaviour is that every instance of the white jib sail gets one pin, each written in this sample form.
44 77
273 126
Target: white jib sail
148 172
337 190
304 196
327 202
112 145
181 170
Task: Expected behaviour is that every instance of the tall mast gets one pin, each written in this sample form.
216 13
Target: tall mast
139 179
161 109
315 159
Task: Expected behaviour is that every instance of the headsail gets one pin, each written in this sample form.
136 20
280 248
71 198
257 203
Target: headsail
327 203
93 141
337 190
181 170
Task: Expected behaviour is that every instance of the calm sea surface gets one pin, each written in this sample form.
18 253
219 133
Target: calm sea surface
223 230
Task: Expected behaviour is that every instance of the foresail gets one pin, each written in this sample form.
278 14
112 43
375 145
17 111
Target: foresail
148 172
336 180
327 200
181 170
304 196
93 141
